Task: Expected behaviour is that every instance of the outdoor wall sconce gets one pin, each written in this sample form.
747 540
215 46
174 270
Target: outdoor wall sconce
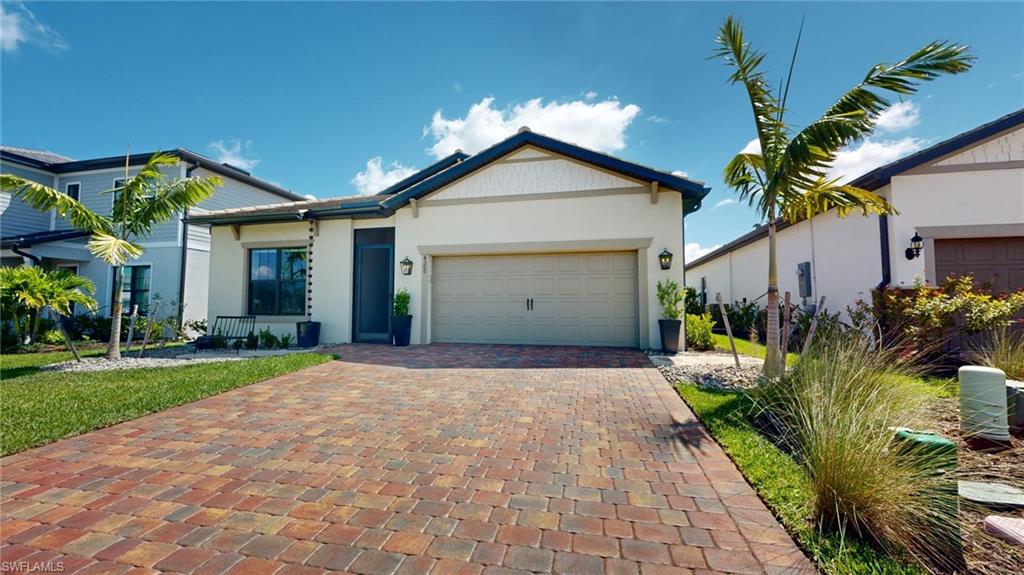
665 259
916 243
406 266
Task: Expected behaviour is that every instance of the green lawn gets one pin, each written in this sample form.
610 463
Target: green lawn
40 407
781 483
747 347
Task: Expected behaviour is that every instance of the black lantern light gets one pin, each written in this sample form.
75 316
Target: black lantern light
665 259
406 265
916 243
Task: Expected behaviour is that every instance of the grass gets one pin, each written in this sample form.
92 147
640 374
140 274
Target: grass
783 484
40 407
747 347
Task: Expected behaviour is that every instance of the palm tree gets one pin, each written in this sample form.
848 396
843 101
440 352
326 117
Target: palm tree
27 291
788 178
144 200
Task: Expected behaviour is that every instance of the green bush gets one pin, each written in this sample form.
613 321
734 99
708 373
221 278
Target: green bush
670 298
692 302
52 337
402 301
284 341
1003 349
835 411
267 338
251 341
698 332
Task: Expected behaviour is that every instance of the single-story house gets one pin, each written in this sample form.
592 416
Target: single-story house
961 211
532 240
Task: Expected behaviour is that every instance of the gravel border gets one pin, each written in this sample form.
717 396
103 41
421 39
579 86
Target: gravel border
101 364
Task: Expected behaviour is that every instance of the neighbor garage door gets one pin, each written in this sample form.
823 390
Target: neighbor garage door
999 261
548 299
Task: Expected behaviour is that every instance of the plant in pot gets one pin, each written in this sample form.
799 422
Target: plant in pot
401 321
670 298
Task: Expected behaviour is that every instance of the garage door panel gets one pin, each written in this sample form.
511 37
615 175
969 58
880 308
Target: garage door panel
995 261
578 299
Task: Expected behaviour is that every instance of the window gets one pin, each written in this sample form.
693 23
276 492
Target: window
73 190
135 289
277 281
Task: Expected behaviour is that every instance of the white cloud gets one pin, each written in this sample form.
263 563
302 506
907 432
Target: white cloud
680 173
18 25
855 162
597 125
376 177
234 153
590 95
658 119
752 147
899 116
722 203
693 250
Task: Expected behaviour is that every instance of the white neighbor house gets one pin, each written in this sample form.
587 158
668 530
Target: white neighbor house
532 240
964 197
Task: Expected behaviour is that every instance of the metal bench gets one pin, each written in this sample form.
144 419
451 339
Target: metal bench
231 329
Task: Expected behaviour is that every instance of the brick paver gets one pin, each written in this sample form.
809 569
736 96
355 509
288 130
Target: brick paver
428 459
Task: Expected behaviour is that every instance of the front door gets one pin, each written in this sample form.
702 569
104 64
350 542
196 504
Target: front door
374 285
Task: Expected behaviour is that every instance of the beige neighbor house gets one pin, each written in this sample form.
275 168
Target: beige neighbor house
532 241
961 199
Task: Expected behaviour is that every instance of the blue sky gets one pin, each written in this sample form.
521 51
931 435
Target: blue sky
332 99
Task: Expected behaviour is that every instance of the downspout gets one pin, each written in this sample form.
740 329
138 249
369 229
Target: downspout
184 256
35 259
883 238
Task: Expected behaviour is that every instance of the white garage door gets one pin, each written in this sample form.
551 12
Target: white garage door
549 299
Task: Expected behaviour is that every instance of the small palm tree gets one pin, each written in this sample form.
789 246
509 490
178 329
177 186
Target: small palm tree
789 176
28 291
144 200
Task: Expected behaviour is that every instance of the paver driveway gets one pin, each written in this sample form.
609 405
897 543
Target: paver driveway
440 459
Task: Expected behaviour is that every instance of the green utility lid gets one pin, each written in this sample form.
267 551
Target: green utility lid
928 441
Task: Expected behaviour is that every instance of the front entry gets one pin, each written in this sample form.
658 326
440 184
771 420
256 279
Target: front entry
374 284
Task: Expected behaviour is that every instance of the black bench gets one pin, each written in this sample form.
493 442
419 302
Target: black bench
232 330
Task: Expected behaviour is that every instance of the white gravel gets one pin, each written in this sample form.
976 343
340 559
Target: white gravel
100 364
713 370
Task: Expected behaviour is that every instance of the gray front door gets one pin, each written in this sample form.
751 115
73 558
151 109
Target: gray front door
373 292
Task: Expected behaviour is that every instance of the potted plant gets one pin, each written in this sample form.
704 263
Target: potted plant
401 321
670 298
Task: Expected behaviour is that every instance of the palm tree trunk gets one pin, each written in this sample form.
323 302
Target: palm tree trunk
773 354
114 347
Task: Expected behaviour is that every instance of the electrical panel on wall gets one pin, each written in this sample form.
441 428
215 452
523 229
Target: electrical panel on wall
803 275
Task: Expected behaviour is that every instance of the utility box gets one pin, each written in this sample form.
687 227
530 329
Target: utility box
803 276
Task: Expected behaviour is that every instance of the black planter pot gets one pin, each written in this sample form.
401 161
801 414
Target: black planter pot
401 328
307 333
669 334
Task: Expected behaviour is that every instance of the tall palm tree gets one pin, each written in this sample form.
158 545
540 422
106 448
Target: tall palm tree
144 200
788 178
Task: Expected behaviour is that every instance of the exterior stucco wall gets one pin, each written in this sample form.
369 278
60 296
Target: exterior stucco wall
581 223
981 198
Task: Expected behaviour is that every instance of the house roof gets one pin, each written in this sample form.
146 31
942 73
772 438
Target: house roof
880 177
28 240
448 170
58 164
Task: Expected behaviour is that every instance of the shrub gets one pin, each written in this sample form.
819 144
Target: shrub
1003 349
251 341
835 412
267 338
52 337
401 303
670 298
284 341
698 331
692 303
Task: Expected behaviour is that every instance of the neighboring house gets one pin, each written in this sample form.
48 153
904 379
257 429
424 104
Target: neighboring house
175 265
532 240
963 197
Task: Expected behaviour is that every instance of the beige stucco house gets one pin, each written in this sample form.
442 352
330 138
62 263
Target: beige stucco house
963 197
532 240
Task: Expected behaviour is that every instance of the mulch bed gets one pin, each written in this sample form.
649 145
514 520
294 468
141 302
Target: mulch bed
985 554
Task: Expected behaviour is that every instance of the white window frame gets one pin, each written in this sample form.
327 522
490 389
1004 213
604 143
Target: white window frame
149 294
69 184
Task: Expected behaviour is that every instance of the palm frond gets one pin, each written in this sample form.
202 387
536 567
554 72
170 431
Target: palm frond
171 199
142 184
827 194
45 198
745 174
113 250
